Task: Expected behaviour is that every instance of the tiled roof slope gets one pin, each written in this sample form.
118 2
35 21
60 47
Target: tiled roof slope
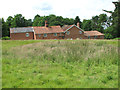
51 29
21 30
92 33
65 27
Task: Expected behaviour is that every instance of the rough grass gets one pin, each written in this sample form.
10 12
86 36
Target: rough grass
60 64
0 64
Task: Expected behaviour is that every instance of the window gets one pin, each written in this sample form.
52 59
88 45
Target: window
101 36
27 35
68 32
60 34
45 35
80 32
39 35
55 34
95 37
88 37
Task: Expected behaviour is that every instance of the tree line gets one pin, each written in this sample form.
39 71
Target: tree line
102 23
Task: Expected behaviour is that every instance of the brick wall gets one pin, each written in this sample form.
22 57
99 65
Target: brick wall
93 37
74 34
49 36
21 36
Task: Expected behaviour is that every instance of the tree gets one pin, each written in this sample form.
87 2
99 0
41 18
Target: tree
77 19
36 16
115 18
4 28
87 25
38 21
18 21
0 27
29 22
9 21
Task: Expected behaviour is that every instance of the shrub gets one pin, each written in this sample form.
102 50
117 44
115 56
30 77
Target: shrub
6 38
108 36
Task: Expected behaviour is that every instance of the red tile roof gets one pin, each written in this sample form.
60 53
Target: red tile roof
65 27
92 33
51 29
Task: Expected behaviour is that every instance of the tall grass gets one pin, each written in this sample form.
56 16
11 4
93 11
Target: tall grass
70 63
0 64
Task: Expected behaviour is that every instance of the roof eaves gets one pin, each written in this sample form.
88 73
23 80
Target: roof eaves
73 26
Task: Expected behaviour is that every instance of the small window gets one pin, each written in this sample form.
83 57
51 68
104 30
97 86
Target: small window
80 32
45 35
68 32
101 36
60 34
88 37
95 37
39 35
27 35
55 34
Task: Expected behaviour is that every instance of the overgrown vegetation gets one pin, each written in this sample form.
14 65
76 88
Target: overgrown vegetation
6 38
60 64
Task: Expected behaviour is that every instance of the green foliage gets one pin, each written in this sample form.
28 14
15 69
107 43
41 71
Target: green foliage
6 38
87 25
52 20
18 21
9 21
115 17
5 31
77 19
64 64
108 36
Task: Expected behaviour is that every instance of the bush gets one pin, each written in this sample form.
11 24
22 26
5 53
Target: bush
6 38
117 38
108 36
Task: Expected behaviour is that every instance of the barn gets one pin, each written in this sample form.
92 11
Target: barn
53 32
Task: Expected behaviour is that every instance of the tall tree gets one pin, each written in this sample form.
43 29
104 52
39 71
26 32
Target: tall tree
87 25
9 21
18 21
0 27
77 19
29 22
36 16
4 28
115 18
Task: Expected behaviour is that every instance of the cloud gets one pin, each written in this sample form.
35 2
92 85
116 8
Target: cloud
85 9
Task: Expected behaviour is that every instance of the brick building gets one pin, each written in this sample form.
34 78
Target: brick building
53 32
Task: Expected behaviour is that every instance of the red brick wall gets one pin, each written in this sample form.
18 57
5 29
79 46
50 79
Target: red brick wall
21 36
74 33
49 36
92 37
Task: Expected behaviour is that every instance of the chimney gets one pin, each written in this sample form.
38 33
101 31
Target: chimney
78 24
46 24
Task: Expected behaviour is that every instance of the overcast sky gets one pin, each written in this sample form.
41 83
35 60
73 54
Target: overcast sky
85 9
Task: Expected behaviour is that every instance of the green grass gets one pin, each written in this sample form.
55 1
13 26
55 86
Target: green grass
60 64
0 64
117 38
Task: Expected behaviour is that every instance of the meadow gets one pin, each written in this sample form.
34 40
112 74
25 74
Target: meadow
60 64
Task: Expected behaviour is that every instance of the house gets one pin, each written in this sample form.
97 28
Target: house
53 32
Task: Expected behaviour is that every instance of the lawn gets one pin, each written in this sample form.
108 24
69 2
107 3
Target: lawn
60 64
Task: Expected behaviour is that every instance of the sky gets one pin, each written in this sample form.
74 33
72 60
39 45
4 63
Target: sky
85 9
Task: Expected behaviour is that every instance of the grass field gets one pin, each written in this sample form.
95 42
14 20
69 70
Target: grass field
0 64
60 64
